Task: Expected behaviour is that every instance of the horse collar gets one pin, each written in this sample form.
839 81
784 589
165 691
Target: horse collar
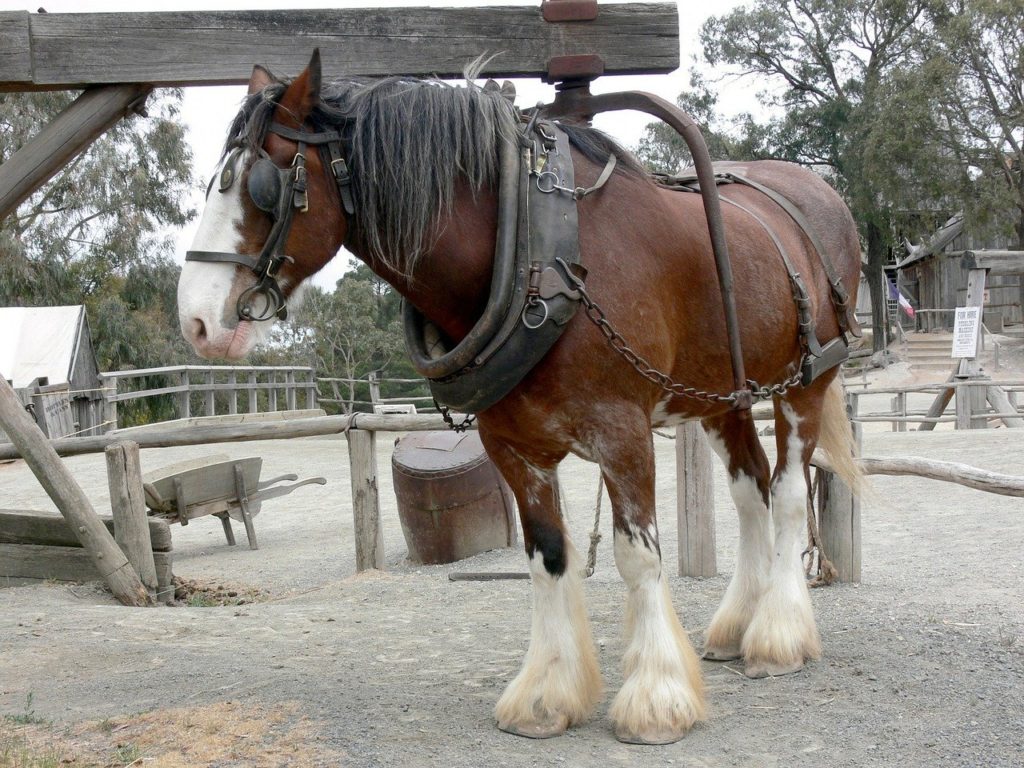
532 297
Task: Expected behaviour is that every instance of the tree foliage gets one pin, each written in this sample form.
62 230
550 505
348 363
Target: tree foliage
905 105
100 232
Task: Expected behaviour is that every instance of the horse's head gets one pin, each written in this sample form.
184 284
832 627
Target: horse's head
274 216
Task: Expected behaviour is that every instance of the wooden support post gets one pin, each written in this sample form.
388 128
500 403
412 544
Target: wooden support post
184 397
128 504
970 400
74 129
695 502
233 397
56 479
1001 403
311 393
839 515
374 387
209 399
254 396
272 391
109 384
289 392
362 457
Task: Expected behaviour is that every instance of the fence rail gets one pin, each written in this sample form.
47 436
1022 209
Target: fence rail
215 388
972 402
373 383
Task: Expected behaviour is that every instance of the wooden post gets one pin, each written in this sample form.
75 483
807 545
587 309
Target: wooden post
362 457
233 397
109 384
254 397
128 504
311 393
272 391
839 515
56 479
289 392
695 502
184 397
970 400
209 400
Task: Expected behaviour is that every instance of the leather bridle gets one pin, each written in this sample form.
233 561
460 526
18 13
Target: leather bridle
279 192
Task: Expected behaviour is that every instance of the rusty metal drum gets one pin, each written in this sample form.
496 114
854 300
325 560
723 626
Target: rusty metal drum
452 501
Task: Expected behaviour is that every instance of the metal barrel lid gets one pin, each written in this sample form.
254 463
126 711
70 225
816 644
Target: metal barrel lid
438 453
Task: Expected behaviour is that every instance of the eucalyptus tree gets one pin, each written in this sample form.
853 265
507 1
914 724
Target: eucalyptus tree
111 209
826 67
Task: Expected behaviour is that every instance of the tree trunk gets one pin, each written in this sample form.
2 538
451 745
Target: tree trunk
873 271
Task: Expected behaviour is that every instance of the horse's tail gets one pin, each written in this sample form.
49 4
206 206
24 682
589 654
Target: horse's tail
836 437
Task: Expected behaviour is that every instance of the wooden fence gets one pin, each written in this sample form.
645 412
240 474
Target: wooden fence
372 386
975 403
215 389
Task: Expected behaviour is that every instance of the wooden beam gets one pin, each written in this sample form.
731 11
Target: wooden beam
38 561
181 48
998 263
15 54
26 526
70 133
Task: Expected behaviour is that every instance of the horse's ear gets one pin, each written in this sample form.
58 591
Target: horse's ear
302 93
260 79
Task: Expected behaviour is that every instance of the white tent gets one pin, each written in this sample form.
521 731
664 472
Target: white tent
41 342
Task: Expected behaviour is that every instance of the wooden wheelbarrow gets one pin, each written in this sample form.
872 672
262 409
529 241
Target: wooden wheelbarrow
215 485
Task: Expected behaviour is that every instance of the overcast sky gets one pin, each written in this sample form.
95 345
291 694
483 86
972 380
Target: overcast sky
208 110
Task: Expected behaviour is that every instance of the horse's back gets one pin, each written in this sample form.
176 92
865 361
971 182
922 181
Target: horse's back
822 206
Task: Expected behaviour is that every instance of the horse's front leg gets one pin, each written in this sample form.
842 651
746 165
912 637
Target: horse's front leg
662 694
559 682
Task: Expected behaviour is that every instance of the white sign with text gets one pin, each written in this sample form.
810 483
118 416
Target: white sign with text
965 331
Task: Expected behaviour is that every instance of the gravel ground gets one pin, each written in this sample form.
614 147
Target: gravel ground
923 664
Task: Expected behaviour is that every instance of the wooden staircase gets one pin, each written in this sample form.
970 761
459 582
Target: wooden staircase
929 351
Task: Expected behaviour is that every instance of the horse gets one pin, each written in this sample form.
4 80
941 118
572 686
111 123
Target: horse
411 186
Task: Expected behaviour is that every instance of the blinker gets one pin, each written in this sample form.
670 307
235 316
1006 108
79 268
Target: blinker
265 185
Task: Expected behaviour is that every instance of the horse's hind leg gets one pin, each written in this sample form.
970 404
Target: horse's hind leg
734 439
559 682
662 694
782 633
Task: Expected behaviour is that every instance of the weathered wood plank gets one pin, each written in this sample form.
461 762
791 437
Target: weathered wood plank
128 504
220 47
18 526
156 437
66 136
998 263
695 502
15 53
369 537
35 561
839 515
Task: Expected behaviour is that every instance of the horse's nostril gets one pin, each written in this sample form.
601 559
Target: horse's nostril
198 330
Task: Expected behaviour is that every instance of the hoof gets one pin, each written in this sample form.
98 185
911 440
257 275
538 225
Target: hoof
649 738
547 729
758 670
721 654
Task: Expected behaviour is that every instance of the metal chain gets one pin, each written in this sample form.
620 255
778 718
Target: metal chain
446 414
598 317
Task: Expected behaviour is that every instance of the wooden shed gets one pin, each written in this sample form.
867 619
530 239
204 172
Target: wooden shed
934 278
46 353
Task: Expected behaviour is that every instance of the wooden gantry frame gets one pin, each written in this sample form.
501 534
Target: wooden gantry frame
118 58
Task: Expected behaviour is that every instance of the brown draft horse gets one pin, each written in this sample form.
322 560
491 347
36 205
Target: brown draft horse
422 214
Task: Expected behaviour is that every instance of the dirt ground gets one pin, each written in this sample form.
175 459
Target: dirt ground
923 661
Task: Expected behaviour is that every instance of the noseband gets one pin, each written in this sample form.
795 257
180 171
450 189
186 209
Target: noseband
279 192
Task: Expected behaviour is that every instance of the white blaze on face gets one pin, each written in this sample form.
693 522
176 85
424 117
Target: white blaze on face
207 292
